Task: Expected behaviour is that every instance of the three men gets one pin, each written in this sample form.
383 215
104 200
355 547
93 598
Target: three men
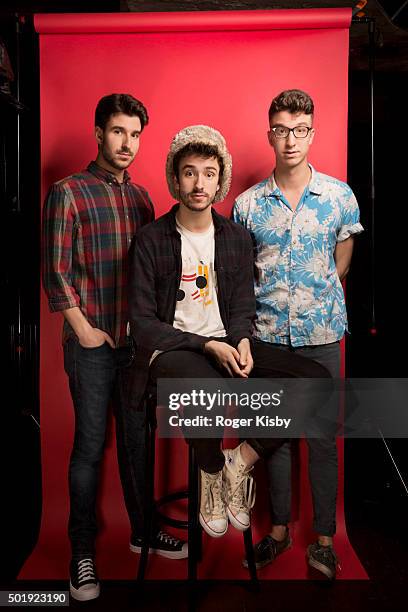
302 224
89 221
191 306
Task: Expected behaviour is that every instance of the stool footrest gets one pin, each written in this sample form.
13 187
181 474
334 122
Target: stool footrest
168 499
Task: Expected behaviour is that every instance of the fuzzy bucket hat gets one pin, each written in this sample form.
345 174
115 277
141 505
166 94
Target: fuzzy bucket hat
205 135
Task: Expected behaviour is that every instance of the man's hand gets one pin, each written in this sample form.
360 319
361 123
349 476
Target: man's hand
246 361
88 336
226 356
95 337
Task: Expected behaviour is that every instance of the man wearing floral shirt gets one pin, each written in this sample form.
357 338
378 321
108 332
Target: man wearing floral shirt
302 224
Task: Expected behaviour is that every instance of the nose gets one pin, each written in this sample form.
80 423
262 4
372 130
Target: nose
125 140
199 181
290 139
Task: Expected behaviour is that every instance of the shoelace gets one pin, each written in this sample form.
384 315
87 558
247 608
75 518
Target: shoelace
243 489
86 570
214 495
167 538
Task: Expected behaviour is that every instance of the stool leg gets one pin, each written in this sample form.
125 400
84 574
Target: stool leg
249 553
149 494
193 523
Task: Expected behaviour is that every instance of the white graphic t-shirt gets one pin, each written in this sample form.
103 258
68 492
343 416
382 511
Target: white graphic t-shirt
197 308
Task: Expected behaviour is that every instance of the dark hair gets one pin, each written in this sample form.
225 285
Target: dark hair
119 103
292 100
202 150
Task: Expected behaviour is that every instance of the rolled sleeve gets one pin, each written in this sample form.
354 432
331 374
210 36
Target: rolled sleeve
350 219
58 226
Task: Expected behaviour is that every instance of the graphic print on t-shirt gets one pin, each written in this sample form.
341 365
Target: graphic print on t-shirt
195 285
197 304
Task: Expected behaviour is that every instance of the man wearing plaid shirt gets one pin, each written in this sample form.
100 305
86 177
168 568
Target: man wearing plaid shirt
89 221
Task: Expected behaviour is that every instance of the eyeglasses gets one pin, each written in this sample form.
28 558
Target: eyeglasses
300 131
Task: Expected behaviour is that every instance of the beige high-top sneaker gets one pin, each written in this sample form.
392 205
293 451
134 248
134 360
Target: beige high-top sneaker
240 489
213 517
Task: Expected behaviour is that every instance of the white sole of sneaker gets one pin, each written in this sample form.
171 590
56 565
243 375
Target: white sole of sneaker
207 529
235 523
167 554
85 594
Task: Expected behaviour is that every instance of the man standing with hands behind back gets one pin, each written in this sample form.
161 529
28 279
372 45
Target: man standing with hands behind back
302 224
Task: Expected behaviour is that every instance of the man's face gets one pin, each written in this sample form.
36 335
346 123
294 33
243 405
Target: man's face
197 181
290 151
119 142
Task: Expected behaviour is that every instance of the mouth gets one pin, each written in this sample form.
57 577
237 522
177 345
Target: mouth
198 196
124 154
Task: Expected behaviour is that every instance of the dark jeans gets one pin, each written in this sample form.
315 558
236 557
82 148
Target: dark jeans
323 469
269 363
96 381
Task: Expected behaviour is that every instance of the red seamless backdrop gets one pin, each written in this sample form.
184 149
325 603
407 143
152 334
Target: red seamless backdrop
216 68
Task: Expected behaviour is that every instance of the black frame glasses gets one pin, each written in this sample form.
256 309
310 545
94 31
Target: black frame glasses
289 130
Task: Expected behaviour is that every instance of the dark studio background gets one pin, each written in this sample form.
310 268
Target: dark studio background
376 501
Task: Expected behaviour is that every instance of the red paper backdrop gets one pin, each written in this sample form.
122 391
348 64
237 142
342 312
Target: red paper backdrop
217 68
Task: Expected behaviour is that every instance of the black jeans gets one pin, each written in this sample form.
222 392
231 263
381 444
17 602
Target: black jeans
96 381
323 469
269 362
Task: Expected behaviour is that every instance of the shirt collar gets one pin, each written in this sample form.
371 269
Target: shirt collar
218 220
315 186
105 175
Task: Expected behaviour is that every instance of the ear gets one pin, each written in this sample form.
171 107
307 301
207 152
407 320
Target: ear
218 187
270 137
312 133
98 134
176 183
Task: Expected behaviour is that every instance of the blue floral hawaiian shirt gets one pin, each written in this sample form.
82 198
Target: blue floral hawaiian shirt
300 299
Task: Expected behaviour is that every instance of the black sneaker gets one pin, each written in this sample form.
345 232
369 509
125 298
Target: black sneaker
84 583
162 544
323 559
268 549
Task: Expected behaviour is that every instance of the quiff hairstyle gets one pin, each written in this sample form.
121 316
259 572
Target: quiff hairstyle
119 103
293 101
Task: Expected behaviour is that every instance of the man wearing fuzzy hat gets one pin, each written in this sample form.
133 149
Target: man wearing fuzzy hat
191 306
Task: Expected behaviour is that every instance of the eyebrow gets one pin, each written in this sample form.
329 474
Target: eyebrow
193 167
120 127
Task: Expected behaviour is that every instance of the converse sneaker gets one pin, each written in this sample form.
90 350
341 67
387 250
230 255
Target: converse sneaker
240 489
84 583
213 518
162 544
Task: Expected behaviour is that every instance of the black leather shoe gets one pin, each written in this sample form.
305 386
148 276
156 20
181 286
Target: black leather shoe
323 559
268 549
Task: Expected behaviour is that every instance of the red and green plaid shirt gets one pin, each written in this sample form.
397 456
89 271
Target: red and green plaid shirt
89 221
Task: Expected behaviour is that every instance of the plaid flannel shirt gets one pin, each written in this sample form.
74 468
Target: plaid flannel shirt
89 221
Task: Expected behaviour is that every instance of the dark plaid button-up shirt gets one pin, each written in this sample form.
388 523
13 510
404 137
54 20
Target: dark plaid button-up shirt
154 278
89 221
